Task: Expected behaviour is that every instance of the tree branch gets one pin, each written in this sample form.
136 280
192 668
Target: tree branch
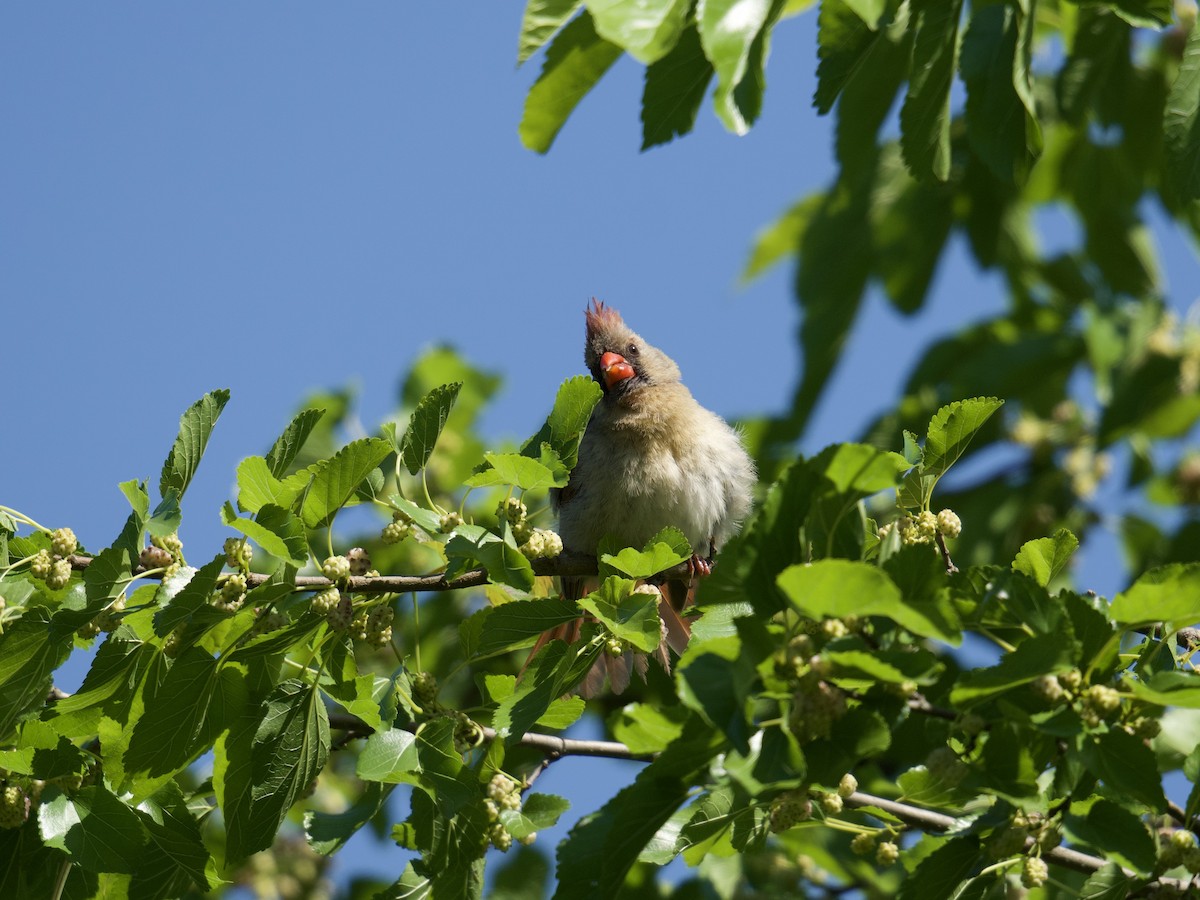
566 565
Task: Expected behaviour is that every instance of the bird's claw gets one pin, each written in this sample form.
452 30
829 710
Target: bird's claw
700 567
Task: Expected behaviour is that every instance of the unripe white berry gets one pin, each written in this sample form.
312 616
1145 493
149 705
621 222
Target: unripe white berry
63 541
336 568
847 786
949 524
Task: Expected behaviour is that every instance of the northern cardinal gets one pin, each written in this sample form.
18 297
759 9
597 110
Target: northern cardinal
651 457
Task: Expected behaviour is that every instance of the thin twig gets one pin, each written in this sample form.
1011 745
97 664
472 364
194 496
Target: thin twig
568 565
951 568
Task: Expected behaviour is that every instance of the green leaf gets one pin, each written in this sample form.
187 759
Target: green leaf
779 240
175 834
836 588
1167 594
257 486
288 444
1107 883
328 832
1181 124
505 564
94 828
993 64
276 530
715 679
259 779
334 485
184 593
106 577
425 426
629 616
537 813
556 669
938 875
665 550
389 757
576 60
1118 834
951 430
1144 13
862 469
646 29
728 30
842 40
1046 654
166 517
195 426
600 850
495 629
1169 688
674 89
30 651
182 718
513 468
564 427
1044 558
645 728
1127 765
541 20
925 116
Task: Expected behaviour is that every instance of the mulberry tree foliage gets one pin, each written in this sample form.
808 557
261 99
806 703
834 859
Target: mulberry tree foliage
894 684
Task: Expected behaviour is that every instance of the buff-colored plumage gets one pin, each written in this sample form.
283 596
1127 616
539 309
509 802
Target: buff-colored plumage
651 457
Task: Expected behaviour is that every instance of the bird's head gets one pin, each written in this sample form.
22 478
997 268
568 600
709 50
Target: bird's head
618 358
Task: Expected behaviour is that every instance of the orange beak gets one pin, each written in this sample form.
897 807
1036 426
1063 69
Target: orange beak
614 368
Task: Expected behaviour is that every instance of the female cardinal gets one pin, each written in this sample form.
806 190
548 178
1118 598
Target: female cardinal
651 457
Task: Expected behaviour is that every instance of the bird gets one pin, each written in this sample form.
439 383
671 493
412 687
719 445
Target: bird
650 457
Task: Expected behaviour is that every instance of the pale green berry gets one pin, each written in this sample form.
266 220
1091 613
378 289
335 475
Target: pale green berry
173 643
528 839
535 546
500 837
553 545
949 524
336 568
326 600
447 522
360 561
1072 680
512 510
358 626
500 787
109 618
887 853
59 575
1034 872
847 786
169 542
14 807
831 804
396 531
863 844
63 542
1048 688
834 628
88 630
492 810
40 564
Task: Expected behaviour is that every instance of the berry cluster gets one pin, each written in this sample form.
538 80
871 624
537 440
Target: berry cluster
924 527
447 522
374 626
788 810
1178 848
53 566
867 843
1096 703
232 594
238 554
336 568
268 620
503 793
14 806
542 544
398 529
816 705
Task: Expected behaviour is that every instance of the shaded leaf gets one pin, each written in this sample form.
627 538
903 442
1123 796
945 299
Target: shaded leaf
925 116
1181 124
195 426
576 60
674 89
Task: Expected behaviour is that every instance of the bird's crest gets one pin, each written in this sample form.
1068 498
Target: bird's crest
601 318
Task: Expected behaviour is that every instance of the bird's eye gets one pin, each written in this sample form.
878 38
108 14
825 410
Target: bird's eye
632 350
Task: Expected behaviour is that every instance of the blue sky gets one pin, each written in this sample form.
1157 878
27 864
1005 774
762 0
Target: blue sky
225 195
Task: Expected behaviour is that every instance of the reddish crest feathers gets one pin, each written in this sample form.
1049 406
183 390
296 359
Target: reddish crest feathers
601 318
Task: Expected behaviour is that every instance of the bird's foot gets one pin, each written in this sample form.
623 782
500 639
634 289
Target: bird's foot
699 566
